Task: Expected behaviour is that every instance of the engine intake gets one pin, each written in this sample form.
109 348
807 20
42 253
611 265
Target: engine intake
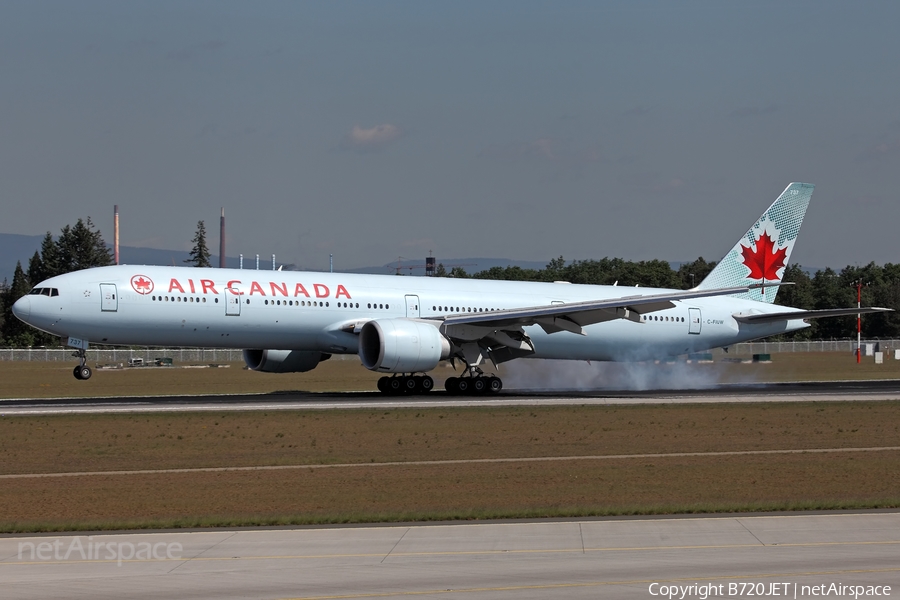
401 346
283 361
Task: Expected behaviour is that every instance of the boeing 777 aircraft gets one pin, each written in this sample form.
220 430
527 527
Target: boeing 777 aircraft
404 326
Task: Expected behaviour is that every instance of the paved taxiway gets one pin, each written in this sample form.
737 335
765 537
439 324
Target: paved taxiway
613 558
771 392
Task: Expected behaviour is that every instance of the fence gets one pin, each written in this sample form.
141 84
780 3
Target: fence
123 355
222 355
847 345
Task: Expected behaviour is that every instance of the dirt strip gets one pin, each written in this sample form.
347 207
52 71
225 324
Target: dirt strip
450 462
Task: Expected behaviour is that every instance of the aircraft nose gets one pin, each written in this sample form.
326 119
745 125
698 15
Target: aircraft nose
22 308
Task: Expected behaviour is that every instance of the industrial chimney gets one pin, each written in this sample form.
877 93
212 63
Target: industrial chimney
222 240
116 232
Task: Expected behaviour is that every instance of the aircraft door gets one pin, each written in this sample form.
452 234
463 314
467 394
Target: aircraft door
412 307
108 300
233 299
695 321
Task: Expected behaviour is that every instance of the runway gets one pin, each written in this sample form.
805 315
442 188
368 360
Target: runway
614 558
298 400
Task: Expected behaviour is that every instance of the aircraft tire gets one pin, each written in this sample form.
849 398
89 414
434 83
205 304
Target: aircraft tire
427 384
77 372
394 385
382 385
479 386
410 385
495 384
463 385
451 385
84 372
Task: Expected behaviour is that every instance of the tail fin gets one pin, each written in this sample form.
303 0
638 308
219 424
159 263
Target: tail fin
763 253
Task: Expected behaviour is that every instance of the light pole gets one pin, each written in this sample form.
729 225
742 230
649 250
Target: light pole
858 284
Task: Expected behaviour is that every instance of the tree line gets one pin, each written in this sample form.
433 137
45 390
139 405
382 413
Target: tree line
826 288
81 246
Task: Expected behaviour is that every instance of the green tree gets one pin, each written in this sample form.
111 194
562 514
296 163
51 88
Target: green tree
199 253
692 273
49 258
79 246
36 268
440 271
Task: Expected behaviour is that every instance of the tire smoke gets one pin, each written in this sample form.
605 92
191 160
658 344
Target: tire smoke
547 374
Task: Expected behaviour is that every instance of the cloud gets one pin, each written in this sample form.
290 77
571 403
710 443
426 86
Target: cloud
753 111
192 51
880 150
370 140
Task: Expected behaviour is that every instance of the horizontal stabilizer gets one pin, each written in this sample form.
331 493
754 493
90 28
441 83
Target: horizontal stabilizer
806 314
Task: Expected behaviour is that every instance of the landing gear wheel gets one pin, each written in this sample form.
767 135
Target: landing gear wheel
495 384
84 372
410 385
463 385
394 385
452 385
77 372
382 385
427 384
479 385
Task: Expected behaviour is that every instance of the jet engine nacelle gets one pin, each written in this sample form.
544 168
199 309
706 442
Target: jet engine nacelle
401 346
283 361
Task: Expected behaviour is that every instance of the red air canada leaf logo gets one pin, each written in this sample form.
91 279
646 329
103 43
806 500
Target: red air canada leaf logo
766 260
142 284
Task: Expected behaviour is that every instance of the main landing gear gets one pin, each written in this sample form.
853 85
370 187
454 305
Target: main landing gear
473 386
405 384
82 371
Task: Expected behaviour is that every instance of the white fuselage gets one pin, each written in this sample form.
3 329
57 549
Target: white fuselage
293 310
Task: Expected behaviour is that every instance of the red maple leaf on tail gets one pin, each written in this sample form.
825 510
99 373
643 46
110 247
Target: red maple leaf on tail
766 260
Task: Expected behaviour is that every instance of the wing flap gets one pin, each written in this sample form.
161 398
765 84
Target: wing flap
757 319
590 312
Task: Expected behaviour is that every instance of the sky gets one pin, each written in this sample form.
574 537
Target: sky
524 130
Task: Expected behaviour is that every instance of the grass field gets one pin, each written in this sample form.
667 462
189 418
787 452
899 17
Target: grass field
54 379
78 443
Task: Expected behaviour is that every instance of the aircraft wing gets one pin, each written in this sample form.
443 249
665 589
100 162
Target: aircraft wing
806 314
575 315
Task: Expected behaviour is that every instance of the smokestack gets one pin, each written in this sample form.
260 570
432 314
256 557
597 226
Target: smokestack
116 231
222 240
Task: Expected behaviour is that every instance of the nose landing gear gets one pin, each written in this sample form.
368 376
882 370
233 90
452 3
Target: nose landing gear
82 371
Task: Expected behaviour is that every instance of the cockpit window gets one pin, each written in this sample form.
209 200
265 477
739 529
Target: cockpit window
44 292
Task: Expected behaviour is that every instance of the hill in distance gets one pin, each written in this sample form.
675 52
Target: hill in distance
15 247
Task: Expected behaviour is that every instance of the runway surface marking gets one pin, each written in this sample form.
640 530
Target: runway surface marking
555 586
879 390
419 463
579 550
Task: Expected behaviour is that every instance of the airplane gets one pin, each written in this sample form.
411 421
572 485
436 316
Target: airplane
403 327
